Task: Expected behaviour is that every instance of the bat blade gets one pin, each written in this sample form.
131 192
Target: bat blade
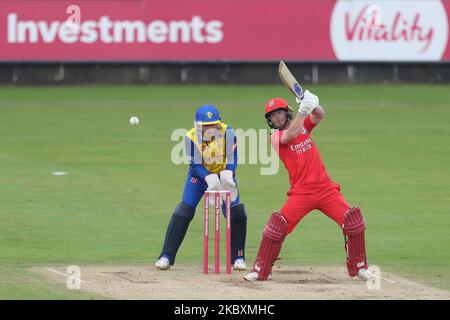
289 80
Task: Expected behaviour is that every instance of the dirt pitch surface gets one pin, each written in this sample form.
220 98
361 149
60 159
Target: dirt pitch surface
188 282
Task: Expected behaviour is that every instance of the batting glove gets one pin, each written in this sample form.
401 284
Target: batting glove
307 104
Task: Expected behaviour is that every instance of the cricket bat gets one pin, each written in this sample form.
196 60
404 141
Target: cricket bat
289 80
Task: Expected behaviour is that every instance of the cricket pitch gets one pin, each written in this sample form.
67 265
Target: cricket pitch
188 282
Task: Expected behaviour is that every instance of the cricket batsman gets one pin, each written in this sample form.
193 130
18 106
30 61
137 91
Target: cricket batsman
310 188
211 148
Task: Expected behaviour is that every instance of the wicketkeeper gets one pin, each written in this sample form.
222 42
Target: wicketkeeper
311 188
212 152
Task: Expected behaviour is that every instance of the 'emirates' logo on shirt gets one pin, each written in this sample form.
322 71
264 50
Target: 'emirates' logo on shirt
301 147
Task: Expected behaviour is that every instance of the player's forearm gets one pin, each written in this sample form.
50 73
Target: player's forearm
231 166
294 129
317 114
200 171
319 111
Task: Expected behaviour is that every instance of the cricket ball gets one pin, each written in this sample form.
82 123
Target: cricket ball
134 121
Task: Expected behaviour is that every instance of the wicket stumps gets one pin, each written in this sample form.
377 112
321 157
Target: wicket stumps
217 195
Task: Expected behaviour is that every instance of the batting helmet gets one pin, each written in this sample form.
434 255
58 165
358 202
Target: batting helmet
274 105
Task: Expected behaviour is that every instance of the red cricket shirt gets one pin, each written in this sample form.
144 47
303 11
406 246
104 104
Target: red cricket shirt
301 159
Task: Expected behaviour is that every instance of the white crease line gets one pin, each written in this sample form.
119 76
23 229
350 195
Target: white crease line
381 278
390 281
66 275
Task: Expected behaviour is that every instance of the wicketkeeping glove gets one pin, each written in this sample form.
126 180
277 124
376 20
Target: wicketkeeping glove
227 181
213 185
307 104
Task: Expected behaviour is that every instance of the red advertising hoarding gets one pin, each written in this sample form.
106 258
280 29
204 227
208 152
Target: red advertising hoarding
232 30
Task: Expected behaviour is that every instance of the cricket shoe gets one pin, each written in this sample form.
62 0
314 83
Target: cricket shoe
364 274
163 263
254 276
239 264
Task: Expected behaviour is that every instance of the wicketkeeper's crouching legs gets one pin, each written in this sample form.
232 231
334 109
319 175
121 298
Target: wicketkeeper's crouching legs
274 234
179 223
355 246
238 231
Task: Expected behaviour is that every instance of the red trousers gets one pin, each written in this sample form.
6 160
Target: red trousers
327 199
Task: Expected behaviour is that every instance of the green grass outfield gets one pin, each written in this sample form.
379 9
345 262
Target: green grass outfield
387 145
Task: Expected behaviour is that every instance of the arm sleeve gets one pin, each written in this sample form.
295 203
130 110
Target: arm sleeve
194 157
231 149
308 124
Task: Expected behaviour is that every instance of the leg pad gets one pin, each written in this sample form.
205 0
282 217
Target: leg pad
274 234
355 246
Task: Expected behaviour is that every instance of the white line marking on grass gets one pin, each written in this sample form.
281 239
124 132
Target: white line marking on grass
66 275
60 173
